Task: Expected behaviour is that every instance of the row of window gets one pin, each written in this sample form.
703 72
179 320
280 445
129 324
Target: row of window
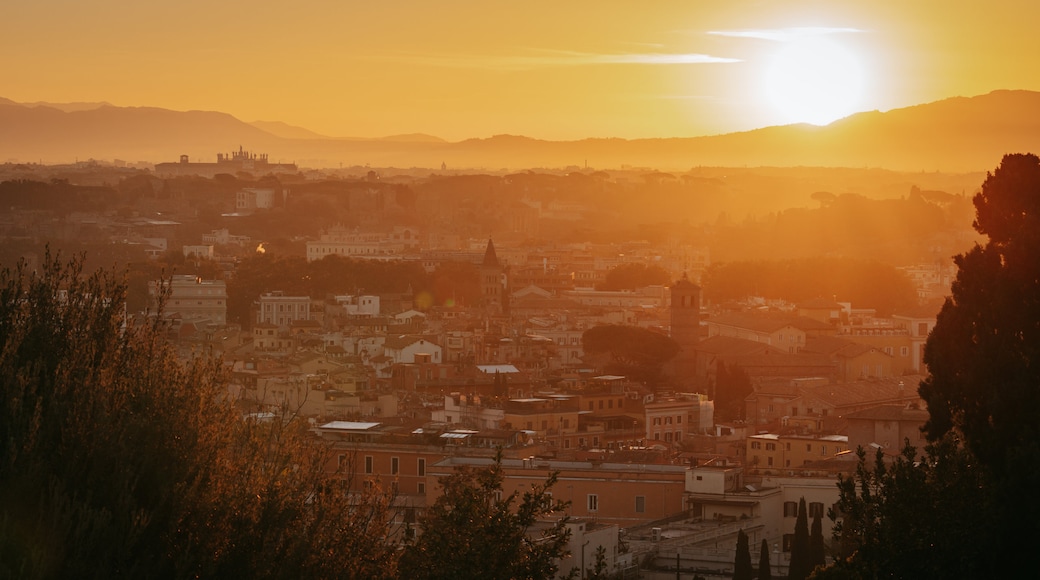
787 447
666 420
395 465
610 404
592 503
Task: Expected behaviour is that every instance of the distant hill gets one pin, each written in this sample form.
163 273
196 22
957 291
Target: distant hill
286 131
957 134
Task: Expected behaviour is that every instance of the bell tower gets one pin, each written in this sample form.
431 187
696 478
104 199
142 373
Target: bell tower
685 320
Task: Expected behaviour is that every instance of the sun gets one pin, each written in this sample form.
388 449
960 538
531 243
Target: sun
813 80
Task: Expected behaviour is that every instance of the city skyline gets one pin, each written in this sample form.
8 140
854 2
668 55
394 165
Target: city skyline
463 69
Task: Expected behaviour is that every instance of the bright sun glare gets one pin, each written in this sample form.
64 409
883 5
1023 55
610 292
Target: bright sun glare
813 80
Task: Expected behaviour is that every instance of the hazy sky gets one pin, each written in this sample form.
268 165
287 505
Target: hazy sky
558 69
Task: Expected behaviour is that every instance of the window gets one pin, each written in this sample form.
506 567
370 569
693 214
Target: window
756 445
787 446
421 469
922 329
341 460
369 463
592 502
640 504
770 446
678 419
395 465
904 351
816 509
808 446
788 540
769 461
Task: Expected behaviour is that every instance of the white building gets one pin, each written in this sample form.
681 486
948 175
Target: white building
280 310
194 299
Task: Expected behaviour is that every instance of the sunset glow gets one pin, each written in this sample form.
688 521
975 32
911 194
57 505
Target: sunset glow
813 81
462 69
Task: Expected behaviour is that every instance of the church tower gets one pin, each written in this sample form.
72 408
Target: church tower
493 282
685 319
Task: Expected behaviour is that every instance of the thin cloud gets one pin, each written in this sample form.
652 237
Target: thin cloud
550 58
785 34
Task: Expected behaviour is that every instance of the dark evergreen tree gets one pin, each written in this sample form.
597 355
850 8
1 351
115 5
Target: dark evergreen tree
732 386
473 531
742 562
817 550
906 519
799 568
984 353
598 570
764 570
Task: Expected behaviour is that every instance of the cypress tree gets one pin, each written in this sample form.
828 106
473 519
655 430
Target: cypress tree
799 568
764 571
742 563
817 553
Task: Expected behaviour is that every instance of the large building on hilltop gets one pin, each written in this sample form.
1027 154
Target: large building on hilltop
237 161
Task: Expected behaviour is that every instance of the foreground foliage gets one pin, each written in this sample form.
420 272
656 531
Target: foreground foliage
120 461
966 508
473 531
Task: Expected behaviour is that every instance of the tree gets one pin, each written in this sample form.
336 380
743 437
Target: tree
472 531
598 570
799 567
634 275
764 571
732 386
906 518
817 551
742 561
984 353
121 461
629 350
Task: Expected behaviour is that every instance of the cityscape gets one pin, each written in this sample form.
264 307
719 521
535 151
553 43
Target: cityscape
529 319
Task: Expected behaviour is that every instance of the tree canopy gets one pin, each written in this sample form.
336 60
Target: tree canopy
865 283
629 350
121 461
473 531
983 355
634 275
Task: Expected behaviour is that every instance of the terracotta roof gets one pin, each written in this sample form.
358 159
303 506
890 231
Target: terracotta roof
405 340
728 345
769 322
862 392
891 413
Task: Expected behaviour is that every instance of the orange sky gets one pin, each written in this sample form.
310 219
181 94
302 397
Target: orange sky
463 68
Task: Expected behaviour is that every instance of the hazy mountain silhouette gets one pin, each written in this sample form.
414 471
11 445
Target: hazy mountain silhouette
287 131
957 134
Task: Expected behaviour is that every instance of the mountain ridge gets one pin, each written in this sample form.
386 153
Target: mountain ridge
954 134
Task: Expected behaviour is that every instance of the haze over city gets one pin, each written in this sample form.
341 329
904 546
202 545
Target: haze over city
510 290
546 70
